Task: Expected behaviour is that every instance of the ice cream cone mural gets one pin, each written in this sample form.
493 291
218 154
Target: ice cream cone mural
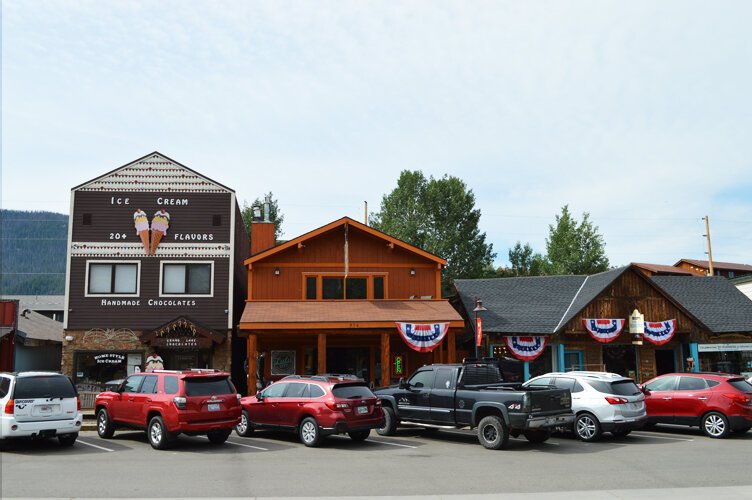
159 224
142 228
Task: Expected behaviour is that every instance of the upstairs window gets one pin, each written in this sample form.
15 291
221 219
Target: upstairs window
357 287
111 278
187 278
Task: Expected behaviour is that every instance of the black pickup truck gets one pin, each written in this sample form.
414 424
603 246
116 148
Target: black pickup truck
473 394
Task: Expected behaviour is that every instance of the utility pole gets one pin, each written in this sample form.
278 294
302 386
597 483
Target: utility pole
365 215
710 252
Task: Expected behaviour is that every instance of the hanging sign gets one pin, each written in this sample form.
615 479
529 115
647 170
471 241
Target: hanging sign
478 332
423 337
604 330
526 348
660 332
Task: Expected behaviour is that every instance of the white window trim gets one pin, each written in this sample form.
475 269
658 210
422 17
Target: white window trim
138 278
161 278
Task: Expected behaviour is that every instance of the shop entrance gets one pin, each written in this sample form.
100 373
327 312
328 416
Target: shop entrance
620 359
175 359
348 360
664 361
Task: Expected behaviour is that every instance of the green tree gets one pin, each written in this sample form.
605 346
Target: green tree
524 262
275 214
575 248
439 216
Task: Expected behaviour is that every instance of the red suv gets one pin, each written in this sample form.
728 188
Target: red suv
716 402
167 403
314 407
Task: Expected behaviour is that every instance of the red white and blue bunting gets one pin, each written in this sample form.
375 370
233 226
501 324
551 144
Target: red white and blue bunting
604 330
526 348
660 332
423 337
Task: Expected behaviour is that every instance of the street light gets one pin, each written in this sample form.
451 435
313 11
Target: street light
478 327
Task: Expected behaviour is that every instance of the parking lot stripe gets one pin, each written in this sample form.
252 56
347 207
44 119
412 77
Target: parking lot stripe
393 444
247 446
93 445
651 435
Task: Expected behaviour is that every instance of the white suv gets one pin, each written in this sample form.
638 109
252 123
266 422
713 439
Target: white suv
602 402
39 405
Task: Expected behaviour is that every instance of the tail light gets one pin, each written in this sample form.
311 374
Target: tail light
180 402
616 401
78 403
737 398
9 407
334 406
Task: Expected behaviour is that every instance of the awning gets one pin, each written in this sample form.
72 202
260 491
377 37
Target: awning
281 315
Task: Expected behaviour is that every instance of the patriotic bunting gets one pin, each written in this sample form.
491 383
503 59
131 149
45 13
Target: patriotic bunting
526 348
423 337
604 330
660 332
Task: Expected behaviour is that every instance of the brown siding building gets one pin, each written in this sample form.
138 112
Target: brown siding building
153 256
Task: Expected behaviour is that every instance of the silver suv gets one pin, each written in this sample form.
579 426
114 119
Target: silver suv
38 405
602 402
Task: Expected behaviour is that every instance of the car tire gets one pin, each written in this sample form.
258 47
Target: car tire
390 423
157 434
309 432
67 439
715 425
218 436
105 426
621 433
359 435
587 427
493 433
245 426
537 437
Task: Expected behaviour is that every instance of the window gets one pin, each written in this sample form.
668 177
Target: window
316 391
354 287
443 379
662 384
422 379
110 278
171 385
541 382
207 386
4 386
296 390
378 287
352 391
187 278
692 384
310 284
619 387
46 386
564 383
133 383
332 288
275 390
150 385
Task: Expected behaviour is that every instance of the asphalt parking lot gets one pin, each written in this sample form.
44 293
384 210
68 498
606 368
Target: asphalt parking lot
413 462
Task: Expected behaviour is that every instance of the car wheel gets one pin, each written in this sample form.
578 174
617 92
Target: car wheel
67 439
359 435
621 433
587 427
390 423
218 436
105 427
159 437
537 436
715 425
245 427
309 432
493 433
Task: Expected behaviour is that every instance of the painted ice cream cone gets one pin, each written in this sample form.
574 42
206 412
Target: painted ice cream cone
159 224
142 228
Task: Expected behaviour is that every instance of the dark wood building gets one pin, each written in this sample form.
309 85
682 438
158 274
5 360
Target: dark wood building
332 300
155 265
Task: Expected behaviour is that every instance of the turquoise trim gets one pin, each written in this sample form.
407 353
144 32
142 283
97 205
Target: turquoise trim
695 353
560 357
526 370
580 359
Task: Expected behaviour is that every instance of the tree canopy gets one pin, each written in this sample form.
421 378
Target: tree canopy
439 216
575 248
275 214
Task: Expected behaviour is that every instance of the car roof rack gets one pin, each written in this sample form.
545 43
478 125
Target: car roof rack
323 377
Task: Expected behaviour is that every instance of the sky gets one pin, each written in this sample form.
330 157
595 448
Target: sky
638 113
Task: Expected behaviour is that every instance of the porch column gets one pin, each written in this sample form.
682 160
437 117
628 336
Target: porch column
251 344
526 370
694 351
560 358
451 347
386 367
322 353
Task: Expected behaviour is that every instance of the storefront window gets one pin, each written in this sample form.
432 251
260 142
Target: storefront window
542 364
94 369
739 362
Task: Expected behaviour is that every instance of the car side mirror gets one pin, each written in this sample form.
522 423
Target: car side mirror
644 390
260 397
403 383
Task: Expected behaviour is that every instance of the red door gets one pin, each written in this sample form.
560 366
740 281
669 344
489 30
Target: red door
691 399
292 404
267 412
659 401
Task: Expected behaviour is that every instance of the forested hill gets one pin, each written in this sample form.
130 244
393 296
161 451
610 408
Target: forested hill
33 252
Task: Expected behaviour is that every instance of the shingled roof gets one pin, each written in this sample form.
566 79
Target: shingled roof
713 300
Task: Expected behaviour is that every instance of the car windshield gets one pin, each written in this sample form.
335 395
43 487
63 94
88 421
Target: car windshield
740 384
352 391
207 386
44 386
618 387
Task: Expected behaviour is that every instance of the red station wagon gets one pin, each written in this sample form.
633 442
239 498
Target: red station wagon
314 407
167 403
718 403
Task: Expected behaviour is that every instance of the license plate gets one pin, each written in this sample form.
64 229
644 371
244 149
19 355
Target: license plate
45 409
361 410
213 406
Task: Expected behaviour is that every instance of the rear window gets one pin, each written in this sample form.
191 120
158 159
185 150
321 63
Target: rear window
4 386
740 384
55 386
207 386
352 391
619 387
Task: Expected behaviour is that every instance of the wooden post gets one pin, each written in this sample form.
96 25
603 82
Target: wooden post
251 344
372 364
386 367
321 353
451 347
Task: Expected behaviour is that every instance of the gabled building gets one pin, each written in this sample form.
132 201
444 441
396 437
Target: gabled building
725 269
155 265
344 298
582 322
